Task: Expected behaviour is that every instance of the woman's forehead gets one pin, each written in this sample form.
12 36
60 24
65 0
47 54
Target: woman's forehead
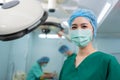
80 20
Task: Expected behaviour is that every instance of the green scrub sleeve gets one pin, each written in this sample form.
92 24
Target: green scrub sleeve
113 69
61 72
37 72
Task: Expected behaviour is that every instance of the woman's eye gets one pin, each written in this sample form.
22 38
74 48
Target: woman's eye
74 27
83 27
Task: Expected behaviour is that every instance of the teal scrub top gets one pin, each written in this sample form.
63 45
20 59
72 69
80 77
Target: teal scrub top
72 55
96 66
35 72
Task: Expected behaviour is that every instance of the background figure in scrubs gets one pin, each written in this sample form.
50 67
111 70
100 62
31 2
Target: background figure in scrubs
65 50
89 63
36 72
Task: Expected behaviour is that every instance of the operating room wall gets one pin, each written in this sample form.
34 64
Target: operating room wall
4 57
110 45
18 55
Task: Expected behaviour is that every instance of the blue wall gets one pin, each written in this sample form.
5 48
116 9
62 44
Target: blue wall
109 45
4 57
13 55
19 52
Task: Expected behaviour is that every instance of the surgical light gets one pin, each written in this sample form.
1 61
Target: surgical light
52 36
103 12
20 17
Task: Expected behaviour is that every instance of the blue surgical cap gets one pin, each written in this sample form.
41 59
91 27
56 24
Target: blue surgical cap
43 60
87 14
63 49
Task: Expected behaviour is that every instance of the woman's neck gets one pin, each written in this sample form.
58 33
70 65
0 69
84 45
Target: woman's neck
86 50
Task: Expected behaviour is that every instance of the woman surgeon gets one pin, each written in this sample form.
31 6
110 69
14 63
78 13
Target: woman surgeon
89 63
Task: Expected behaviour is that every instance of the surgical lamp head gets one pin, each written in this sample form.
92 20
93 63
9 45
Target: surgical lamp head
19 18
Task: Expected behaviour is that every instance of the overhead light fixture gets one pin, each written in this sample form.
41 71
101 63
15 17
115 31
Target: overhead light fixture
52 36
65 24
70 7
52 5
17 21
3 1
103 12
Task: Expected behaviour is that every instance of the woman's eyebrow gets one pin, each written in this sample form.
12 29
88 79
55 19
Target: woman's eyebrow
84 24
74 24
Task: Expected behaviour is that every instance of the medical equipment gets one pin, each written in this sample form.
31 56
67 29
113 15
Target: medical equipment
18 18
20 75
51 24
57 26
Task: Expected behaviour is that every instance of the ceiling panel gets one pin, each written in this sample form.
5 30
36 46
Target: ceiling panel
112 23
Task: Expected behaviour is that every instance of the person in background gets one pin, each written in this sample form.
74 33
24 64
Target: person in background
89 63
66 51
36 72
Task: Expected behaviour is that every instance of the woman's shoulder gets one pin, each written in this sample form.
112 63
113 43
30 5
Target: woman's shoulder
111 60
71 58
104 53
106 56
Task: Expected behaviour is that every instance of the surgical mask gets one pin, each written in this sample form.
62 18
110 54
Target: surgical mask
81 37
65 54
44 65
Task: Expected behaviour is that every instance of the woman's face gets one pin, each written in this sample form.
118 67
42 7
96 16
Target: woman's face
81 23
81 31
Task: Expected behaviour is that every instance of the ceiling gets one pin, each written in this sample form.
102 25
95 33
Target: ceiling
108 26
111 25
64 9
